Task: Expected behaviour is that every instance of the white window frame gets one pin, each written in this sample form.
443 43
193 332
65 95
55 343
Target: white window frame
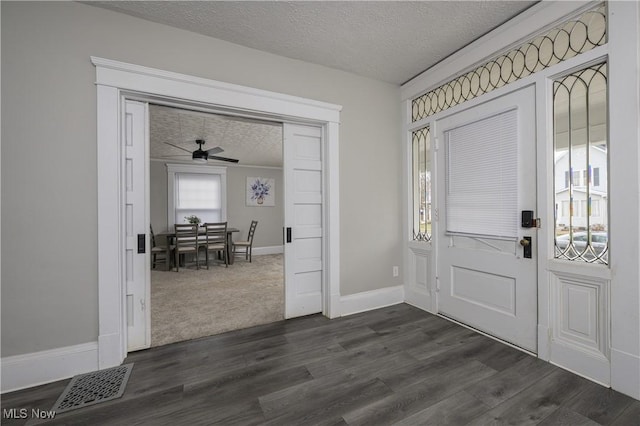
173 169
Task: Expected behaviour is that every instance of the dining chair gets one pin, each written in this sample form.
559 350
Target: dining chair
159 252
186 242
247 245
215 239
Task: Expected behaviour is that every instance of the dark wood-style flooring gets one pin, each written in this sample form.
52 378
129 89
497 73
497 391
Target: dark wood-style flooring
397 365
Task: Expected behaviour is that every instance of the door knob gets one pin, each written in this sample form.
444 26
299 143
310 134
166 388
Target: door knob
525 242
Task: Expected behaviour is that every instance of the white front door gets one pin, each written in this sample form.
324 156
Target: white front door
136 262
486 178
303 246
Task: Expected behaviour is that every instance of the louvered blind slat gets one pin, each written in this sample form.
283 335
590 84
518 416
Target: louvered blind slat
482 177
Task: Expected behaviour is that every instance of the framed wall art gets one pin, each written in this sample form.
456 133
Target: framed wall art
260 192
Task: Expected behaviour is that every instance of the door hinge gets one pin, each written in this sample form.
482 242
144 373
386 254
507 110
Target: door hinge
436 214
549 334
538 222
142 305
436 143
437 285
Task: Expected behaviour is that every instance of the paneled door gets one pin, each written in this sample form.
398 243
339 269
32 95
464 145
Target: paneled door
136 218
487 263
303 248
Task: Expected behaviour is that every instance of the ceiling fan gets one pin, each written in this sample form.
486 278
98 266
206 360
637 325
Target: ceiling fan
202 156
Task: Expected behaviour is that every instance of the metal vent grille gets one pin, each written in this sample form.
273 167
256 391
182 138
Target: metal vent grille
92 388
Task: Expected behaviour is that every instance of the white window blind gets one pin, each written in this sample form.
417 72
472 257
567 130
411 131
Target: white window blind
198 194
482 177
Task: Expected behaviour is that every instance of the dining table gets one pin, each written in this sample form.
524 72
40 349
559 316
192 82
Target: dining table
171 235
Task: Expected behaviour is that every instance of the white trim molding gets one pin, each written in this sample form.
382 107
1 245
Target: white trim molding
37 368
369 300
116 81
167 84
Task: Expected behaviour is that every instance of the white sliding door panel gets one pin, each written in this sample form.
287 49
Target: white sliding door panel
136 262
487 178
303 249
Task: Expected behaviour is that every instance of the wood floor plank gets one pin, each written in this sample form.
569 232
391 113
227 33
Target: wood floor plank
243 413
395 341
416 397
341 361
500 356
321 401
293 354
566 417
434 366
629 417
328 407
507 383
448 339
536 402
599 404
246 383
455 410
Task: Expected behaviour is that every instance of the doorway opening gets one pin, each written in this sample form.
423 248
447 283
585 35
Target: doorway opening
118 82
203 299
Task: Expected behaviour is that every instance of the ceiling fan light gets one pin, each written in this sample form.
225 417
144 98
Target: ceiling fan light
199 156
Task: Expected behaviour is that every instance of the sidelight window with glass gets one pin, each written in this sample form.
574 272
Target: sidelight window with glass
581 166
421 182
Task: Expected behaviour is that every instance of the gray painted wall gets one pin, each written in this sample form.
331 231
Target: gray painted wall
239 215
50 297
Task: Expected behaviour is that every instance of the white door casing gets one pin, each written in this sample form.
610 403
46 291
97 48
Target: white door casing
136 216
485 282
303 249
116 81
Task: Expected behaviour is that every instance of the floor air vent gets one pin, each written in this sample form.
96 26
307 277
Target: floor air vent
93 388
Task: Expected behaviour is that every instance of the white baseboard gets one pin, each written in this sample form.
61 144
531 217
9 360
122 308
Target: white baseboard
257 251
625 373
421 299
37 368
369 300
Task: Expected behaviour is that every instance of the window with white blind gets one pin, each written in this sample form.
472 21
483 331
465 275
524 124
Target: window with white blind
198 194
196 190
482 177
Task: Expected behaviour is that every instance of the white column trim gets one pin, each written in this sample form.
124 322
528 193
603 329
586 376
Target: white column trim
624 136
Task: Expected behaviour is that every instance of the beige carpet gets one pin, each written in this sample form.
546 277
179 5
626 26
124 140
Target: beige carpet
196 303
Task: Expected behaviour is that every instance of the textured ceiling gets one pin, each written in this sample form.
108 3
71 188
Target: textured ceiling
390 41
250 141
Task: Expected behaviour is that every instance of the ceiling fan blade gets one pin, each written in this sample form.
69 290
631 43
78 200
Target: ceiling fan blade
179 147
229 160
214 150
